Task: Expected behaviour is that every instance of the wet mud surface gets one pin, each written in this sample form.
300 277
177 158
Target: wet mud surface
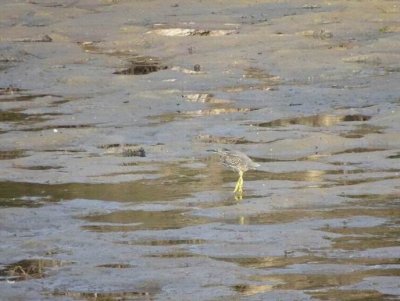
108 108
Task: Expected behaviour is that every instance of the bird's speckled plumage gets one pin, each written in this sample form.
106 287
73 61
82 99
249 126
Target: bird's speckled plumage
236 160
240 163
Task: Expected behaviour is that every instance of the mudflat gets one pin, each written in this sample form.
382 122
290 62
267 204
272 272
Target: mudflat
108 108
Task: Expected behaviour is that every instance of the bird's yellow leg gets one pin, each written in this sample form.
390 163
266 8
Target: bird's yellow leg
238 196
241 182
239 185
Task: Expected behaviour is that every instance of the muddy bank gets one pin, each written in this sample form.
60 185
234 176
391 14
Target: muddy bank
108 108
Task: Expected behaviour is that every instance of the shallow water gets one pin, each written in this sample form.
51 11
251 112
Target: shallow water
107 191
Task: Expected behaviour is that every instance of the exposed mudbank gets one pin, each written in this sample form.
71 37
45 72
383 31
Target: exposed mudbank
108 108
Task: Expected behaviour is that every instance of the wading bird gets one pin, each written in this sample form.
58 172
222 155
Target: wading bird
238 162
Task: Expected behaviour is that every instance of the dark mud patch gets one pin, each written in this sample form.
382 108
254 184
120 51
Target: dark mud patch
22 118
60 126
353 295
10 116
396 156
125 150
174 254
214 107
28 269
378 212
287 260
267 160
200 98
24 97
264 86
142 65
91 47
138 172
362 130
132 295
315 120
56 103
207 98
307 175
349 182
174 182
216 111
373 199
10 90
94 47
365 238
321 34
251 289
359 150
269 261
40 39
12 154
185 32
116 266
25 201
16 194
339 163
367 59
141 69
182 115
68 151
260 80
140 191
270 218
131 220
261 75
37 167
291 215
168 117
164 242
321 281
222 139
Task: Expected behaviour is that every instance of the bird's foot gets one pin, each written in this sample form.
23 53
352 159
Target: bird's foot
238 190
238 196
